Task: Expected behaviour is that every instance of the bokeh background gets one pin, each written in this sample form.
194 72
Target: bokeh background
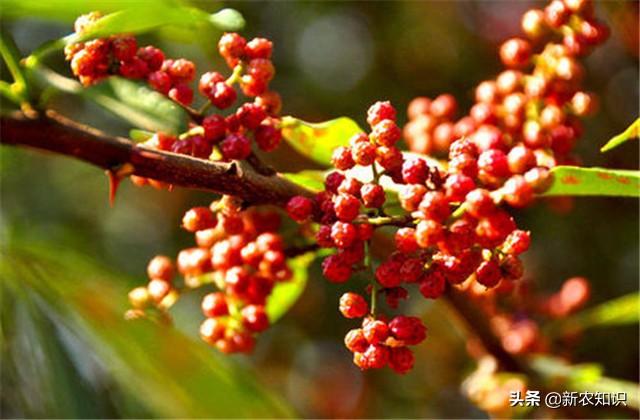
332 59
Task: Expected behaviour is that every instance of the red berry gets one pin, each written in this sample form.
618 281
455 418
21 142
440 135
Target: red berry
253 86
517 192
323 237
152 56
375 331
258 48
408 329
488 273
411 269
182 70
390 158
346 207
222 95
444 106
517 242
160 81
207 82
251 115
377 356
463 146
342 159
464 164
479 203
231 46
352 305
343 234
270 101
333 181
494 163
372 195
254 318
556 13
215 304
158 289
363 153
432 284
351 186
300 208
181 93
415 171
387 273
457 186
429 233
401 359
235 146
410 196
215 127
380 111
539 178
198 218
406 241
261 69
212 330
355 341
521 159
385 133
268 137
335 269
133 69
124 47
160 267
418 106
515 52
434 206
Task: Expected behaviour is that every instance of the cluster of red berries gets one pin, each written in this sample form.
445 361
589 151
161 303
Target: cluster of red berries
159 292
434 245
240 253
527 116
380 343
229 136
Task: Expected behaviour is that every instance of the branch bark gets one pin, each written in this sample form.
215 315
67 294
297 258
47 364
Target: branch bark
52 132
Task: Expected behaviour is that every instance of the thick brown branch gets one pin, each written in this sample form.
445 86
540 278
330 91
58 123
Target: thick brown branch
55 133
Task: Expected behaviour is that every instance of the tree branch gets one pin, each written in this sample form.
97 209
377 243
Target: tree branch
53 132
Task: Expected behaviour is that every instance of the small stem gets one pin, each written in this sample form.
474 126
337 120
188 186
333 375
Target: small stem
400 221
260 167
236 75
204 108
369 263
462 208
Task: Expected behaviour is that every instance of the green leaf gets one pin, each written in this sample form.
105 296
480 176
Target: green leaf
142 18
632 132
170 373
583 377
620 311
285 295
311 179
573 180
139 136
132 101
318 140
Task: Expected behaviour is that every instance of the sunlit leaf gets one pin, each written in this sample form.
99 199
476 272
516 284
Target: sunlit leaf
620 311
573 180
632 132
165 370
132 101
285 295
311 179
140 18
139 136
583 377
318 140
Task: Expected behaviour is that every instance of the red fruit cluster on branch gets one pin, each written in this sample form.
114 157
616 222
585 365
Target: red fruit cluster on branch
230 137
529 112
242 255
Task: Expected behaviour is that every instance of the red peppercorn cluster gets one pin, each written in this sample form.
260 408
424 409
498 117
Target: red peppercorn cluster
453 228
240 253
380 343
528 116
214 136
